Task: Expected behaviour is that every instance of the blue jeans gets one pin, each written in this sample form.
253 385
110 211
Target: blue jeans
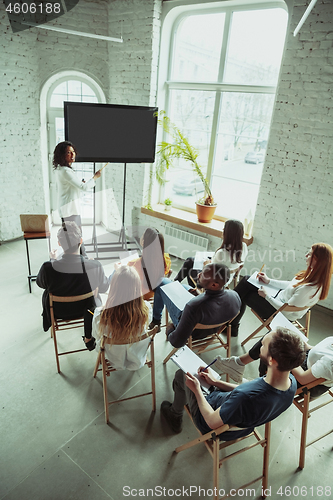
161 300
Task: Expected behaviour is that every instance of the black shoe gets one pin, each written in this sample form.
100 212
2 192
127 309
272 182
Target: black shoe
91 344
153 324
175 422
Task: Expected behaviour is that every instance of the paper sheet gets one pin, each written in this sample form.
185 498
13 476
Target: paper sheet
177 294
188 361
200 258
271 290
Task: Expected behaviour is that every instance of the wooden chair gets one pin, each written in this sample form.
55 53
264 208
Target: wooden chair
106 370
209 343
266 323
214 445
58 325
34 227
302 402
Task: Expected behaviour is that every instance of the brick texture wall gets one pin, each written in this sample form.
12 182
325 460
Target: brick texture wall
295 200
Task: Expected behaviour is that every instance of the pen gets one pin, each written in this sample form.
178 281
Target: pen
210 364
262 267
90 312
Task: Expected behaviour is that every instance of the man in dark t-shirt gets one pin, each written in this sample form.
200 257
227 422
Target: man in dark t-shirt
248 405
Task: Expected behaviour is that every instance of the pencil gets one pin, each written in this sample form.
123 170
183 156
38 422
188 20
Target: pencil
262 267
90 312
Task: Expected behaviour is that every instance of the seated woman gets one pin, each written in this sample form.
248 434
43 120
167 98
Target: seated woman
318 364
154 263
303 291
232 253
125 317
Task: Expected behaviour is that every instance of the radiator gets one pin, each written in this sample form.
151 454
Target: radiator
183 244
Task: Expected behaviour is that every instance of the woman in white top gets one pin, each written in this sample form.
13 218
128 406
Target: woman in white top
232 253
125 317
69 185
303 291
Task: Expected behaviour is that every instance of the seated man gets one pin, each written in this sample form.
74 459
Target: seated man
212 307
72 275
318 364
246 406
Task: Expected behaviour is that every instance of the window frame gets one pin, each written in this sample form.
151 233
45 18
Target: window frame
172 18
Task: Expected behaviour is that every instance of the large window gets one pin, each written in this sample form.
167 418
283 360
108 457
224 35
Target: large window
221 85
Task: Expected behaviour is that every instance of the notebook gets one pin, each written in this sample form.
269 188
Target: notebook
188 361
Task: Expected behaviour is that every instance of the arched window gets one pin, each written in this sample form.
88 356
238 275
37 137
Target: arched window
220 86
67 86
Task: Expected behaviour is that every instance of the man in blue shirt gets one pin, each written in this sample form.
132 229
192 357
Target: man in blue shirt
248 405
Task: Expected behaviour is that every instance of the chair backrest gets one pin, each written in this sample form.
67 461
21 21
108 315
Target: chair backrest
74 298
110 341
34 223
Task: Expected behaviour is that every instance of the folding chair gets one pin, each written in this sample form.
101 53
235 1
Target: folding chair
209 343
213 443
66 324
302 402
266 323
107 369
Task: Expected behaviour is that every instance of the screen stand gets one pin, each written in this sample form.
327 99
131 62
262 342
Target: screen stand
123 244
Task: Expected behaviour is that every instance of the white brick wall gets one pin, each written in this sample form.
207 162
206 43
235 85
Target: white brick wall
126 72
295 201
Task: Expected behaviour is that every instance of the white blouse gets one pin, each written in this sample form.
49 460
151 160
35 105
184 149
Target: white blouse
69 191
126 356
300 296
223 256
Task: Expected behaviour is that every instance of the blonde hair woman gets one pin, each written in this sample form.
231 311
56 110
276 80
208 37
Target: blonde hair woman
124 318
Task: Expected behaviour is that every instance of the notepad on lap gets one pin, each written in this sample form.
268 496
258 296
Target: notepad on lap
271 290
177 294
200 258
188 361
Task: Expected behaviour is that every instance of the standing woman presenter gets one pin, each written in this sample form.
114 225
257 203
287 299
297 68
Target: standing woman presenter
69 185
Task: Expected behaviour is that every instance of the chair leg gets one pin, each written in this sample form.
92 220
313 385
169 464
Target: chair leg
305 418
98 361
175 349
53 334
105 389
216 460
266 458
307 323
152 374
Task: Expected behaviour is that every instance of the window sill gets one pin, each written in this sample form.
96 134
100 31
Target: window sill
189 220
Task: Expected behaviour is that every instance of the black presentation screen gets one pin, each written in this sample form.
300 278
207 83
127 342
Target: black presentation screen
109 132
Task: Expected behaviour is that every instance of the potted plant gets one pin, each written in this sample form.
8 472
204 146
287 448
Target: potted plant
167 203
179 147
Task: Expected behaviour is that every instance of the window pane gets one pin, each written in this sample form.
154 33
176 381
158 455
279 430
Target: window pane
197 48
86 90
255 46
240 152
61 89
57 101
191 112
74 87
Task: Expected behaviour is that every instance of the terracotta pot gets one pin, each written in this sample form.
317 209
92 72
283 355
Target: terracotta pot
205 213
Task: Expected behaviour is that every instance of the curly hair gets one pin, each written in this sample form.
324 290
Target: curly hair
287 348
59 153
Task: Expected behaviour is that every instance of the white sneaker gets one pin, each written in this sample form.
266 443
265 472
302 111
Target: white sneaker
230 366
